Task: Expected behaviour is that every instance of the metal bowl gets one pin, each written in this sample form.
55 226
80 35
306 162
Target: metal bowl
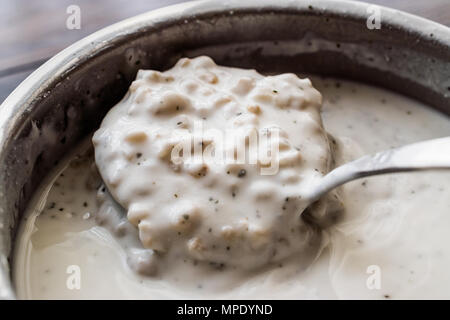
66 98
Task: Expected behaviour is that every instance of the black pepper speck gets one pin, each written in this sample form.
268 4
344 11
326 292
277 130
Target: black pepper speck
242 173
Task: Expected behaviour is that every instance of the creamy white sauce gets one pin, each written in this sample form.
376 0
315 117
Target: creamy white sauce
224 211
397 223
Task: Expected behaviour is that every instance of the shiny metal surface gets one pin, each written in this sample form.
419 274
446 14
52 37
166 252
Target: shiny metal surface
426 155
65 99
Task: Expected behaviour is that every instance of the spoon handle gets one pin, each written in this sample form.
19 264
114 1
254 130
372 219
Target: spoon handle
426 155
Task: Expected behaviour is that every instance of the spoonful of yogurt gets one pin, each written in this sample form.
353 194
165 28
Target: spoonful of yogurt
218 164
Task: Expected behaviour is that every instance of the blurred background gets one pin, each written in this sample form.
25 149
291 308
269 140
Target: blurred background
33 31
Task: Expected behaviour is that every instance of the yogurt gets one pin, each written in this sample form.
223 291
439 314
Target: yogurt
389 244
237 201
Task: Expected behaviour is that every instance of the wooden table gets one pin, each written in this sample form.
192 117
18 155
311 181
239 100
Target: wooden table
33 31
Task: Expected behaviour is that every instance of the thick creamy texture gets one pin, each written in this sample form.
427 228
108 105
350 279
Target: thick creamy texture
226 211
397 222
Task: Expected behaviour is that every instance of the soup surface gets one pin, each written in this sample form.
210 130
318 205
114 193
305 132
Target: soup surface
389 244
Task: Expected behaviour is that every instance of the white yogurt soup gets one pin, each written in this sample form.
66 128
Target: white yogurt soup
207 166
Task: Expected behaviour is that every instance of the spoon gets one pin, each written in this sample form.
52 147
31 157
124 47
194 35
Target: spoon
426 155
